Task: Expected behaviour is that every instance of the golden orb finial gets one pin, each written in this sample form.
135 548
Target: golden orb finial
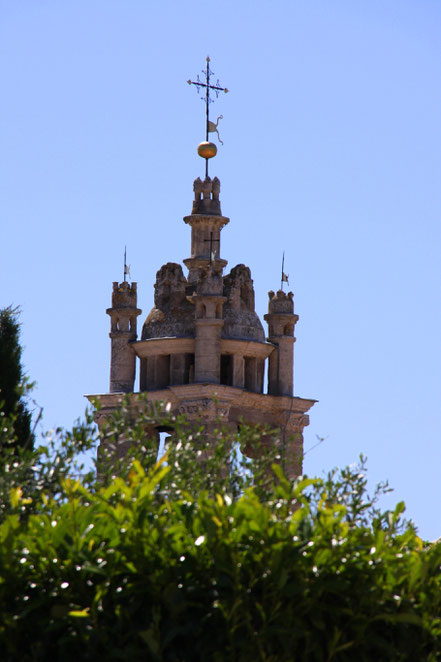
207 150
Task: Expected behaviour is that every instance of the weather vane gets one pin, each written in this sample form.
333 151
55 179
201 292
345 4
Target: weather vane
207 149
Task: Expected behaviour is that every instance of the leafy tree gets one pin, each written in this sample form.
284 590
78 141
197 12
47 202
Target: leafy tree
199 556
13 385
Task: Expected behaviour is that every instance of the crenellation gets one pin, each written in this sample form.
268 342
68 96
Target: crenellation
281 302
124 295
206 196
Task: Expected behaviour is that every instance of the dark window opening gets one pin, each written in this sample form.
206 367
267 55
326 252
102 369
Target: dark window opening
163 371
250 373
226 376
189 369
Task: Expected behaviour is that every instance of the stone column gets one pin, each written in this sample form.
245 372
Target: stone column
208 300
207 355
238 370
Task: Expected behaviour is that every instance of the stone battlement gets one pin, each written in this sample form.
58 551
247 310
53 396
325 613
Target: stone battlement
206 196
124 295
281 302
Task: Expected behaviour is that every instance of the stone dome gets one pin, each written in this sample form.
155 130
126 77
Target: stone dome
173 315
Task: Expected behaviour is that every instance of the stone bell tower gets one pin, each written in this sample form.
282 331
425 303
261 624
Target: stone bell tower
203 348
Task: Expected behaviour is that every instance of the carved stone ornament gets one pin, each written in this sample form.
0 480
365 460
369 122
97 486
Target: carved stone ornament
170 287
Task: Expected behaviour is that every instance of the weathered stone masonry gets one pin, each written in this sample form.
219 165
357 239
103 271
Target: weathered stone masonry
203 338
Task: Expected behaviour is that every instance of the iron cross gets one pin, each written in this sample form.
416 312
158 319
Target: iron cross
206 93
211 240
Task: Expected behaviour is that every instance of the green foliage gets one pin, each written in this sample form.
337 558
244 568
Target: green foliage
194 558
15 422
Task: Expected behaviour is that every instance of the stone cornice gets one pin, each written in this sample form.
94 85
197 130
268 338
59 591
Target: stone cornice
195 219
161 346
158 346
225 394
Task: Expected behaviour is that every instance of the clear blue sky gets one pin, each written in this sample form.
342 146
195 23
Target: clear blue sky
332 152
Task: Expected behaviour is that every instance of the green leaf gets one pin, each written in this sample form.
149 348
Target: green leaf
83 613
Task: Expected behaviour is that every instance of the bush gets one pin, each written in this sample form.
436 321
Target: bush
186 560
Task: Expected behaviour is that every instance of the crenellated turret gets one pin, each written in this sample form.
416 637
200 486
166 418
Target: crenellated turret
206 197
281 322
206 223
123 314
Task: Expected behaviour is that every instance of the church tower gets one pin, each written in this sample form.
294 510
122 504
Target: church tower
203 340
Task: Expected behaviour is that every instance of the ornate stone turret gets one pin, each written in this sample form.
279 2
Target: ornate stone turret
123 314
281 322
206 223
203 339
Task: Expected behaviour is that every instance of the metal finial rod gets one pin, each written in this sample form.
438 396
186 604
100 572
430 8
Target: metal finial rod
207 101
216 88
126 266
284 278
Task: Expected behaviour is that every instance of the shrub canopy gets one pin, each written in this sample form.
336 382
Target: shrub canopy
201 557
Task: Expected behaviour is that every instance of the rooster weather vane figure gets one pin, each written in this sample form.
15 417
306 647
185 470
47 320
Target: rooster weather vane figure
207 149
